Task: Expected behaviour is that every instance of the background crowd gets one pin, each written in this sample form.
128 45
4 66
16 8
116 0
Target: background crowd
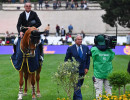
56 4
65 34
8 39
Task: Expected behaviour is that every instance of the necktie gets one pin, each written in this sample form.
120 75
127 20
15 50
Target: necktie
80 52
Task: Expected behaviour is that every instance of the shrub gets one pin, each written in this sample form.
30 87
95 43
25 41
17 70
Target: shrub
118 80
67 76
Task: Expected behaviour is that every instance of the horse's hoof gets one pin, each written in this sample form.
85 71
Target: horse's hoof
24 94
20 95
19 98
38 95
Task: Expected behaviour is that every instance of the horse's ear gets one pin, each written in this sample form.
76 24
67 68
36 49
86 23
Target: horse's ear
42 32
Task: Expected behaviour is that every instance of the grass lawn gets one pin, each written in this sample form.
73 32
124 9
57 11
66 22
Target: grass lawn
9 78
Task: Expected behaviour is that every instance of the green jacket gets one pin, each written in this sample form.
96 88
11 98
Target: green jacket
102 62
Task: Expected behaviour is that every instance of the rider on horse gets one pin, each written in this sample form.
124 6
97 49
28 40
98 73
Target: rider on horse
28 18
28 51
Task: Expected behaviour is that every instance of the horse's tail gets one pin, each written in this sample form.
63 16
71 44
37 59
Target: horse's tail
31 79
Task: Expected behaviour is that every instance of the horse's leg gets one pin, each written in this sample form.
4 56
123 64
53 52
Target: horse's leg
26 78
33 85
20 94
37 79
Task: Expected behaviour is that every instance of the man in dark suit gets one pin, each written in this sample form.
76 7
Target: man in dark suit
28 18
81 54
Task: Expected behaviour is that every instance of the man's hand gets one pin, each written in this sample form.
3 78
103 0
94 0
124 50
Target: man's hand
85 71
21 34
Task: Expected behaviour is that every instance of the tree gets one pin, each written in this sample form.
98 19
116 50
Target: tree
117 11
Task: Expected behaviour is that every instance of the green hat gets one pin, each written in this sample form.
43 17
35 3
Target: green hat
101 40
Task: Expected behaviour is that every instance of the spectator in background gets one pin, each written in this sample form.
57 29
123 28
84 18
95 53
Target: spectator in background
68 35
82 34
25 1
70 28
7 37
63 32
45 41
57 30
40 4
12 38
67 4
59 4
13 1
76 5
46 4
54 5
72 4
62 40
7 34
47 29
82 5
1 41
85 5
9 1
3 1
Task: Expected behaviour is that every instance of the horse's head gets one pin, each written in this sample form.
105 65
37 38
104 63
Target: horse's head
35 37
30 40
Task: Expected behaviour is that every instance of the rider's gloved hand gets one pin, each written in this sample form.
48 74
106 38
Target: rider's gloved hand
21 34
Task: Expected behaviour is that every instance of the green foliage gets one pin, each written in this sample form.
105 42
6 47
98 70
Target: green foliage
67 76
119 79
116 11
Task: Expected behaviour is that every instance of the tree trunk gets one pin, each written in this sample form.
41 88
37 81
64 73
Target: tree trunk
124 89
119 91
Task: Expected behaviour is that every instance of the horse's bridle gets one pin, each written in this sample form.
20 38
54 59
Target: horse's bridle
34 38
27 50
29 43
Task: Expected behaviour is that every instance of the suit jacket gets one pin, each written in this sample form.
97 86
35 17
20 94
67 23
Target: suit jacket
26 23
84 62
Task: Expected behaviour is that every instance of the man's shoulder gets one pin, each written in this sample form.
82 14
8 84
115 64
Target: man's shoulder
84 46
22 13
33 11
70 47
73 46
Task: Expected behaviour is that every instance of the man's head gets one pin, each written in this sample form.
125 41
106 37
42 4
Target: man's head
78 40
27 7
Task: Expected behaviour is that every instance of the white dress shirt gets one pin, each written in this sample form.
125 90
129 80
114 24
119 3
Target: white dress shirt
27 15
80 48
